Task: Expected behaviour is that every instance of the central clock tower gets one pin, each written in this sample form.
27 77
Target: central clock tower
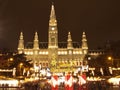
53 37
53 31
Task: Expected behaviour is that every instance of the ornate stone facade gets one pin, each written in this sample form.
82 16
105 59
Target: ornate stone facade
72 53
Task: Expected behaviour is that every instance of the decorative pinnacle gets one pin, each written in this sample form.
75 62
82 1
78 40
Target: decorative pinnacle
21 35
36 36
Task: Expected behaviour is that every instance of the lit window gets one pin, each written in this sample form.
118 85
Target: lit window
80 52
65 52
43 52
36 52
77 52
28 53
39 52
46 52
31 53
70 52
85 51
58 53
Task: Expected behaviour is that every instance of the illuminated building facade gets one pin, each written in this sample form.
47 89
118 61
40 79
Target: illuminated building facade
71 53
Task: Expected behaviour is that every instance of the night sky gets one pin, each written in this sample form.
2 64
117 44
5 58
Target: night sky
100 19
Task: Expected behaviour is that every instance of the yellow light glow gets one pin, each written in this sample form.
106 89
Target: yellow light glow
109 58
11 59
21 64
9 82
53 28
114 81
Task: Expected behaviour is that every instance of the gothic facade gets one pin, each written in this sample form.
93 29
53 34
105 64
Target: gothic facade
72 53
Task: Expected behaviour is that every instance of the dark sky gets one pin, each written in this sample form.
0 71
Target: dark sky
100 19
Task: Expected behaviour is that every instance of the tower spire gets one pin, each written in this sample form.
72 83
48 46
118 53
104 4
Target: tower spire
21 43
69 45
53 21
36 41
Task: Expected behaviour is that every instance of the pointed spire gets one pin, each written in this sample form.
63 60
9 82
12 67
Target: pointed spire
84 41
69 37
36 36
21 43
84 37
52 15
69 45
36 41
53 21
21 36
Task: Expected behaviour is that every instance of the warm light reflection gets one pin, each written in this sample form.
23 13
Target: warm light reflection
114 80
94 79
9 82
6 70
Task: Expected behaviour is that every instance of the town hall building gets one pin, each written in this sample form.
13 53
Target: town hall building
63 52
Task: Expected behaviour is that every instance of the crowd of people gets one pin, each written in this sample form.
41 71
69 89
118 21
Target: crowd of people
69 82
